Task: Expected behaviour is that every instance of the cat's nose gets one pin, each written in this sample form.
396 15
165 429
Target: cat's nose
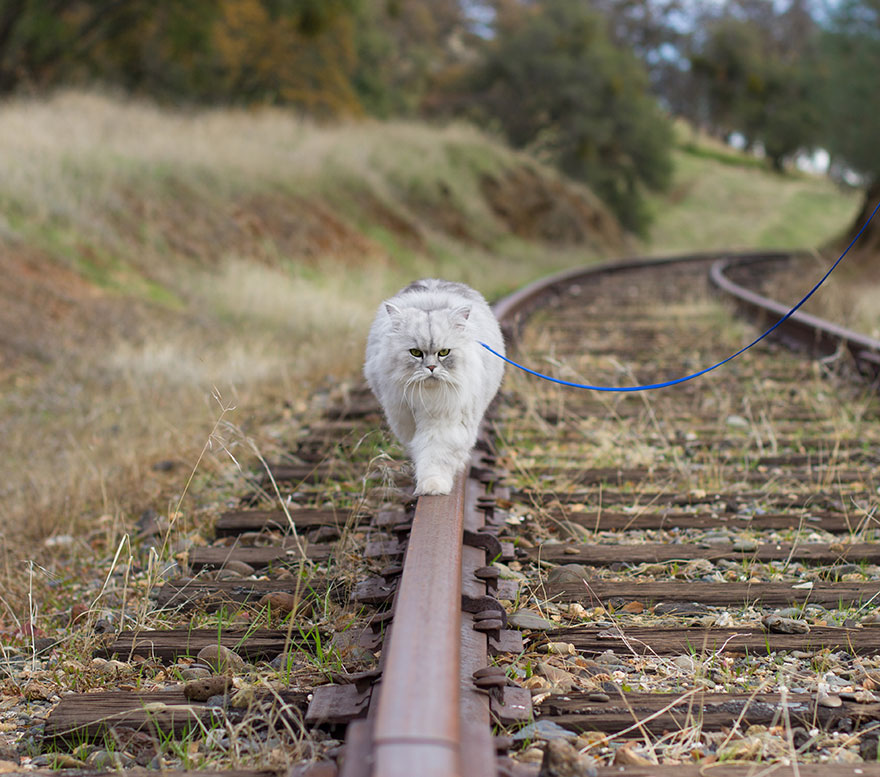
431 367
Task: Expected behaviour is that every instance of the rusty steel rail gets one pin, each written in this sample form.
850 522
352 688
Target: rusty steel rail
417 728
428 721
802 330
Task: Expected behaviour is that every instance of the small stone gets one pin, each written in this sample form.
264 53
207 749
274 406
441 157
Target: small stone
282 602
534 755
195 673
506 573
608 657
568 574
251 539
870 679
633 607
680 608
104 759
562 759
843 756
744 545
723 621
220 658
357 653
779 625
113 668
238 567
627 756
543 729
288 661
204 689
526 619
325 534
577 610
868 749
560 648
826 699
715 538
588 667
685 663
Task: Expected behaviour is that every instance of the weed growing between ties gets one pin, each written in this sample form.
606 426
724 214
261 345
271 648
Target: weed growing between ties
259 723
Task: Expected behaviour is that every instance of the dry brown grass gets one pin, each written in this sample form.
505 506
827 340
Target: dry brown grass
151 258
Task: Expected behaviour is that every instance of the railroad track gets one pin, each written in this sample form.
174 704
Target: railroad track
685 577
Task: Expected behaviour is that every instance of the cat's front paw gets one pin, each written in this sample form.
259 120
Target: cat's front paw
435 485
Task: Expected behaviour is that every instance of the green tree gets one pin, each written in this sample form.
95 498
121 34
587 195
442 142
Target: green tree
852 123
300 52
552 80
728 68
756 73
405 48
790 116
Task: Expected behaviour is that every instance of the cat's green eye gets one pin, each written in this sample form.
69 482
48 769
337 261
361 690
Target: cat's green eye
416 352
443 352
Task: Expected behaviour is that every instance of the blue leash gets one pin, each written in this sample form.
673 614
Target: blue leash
676 381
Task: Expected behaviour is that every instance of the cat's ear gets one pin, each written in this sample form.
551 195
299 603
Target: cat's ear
395 316
460 315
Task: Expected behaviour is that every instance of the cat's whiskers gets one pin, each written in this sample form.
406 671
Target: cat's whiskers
410 386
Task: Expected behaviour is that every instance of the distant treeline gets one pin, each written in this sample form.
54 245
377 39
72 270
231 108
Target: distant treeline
588 84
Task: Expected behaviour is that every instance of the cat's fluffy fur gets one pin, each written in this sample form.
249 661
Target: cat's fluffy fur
432 377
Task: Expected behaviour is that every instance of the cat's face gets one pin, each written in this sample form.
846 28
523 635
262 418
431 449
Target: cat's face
427 346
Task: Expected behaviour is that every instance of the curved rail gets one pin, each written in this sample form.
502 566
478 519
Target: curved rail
801 330
418 726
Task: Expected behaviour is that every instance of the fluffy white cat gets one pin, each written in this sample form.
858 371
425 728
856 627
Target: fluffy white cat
432 377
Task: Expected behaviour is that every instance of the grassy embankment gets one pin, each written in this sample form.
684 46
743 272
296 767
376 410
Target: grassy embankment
723 199
152 259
